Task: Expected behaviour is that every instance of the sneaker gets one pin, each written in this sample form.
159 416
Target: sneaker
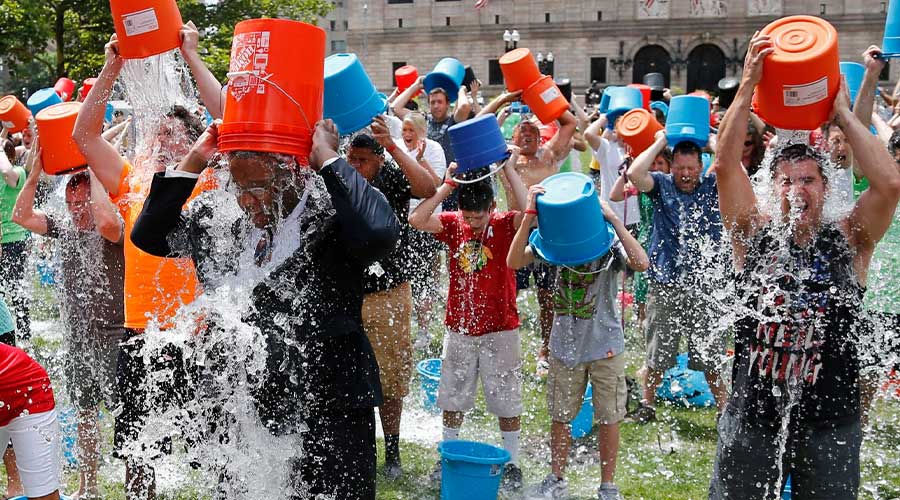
392 471
643 414
435 477
608 493
423 339
512 478
551 488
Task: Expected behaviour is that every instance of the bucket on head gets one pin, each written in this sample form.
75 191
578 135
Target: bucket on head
470 470
468 77
14 115
351 99
59 153
565 86
890 45
519 68
447 74
477 143
637 128
621 101
802 75
570 196
657 84
406 76
545 100
86 87
660 106
853 73
65 88
645 94
41 99
429 379
274 96
145 28
582 423
603 107
728 88
688 120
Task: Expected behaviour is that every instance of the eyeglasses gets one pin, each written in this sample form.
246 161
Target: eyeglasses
748 143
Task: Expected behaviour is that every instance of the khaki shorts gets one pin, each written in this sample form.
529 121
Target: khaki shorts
674 312
496 359
386 318
565 389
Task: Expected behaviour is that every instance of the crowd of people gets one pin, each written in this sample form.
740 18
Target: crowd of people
341 258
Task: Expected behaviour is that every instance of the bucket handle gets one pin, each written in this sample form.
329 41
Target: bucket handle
266 78
498 167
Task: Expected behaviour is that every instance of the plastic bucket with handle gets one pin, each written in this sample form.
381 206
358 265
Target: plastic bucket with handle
65 88
42 99
545 100
59 153
145 28
447 74
519 68
688 120
853 73
470 470
429 379
890 44
406 76
637 128
581 425
621 101
645 93
477 143
351 99
14 115
86 87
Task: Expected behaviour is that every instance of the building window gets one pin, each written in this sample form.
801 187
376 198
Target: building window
399 1
598 69
822 9
546 17
338 46
346 25
885 74
400 22
599 15
497 19
495 76
394 66
446 21
332 24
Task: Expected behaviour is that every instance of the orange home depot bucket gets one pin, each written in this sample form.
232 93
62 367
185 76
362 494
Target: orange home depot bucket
146 27
545 100
519 69
638 128
802 75
645 93
13 114
406 76
274 96
59 153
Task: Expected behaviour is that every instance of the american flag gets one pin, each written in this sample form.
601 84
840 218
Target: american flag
480 4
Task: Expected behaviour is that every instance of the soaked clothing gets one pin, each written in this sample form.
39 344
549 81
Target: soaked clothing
24 386
10 231
394 269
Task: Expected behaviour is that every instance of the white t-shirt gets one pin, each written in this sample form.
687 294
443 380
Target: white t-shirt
434 155
611 158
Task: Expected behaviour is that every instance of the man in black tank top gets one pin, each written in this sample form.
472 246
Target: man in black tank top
800 278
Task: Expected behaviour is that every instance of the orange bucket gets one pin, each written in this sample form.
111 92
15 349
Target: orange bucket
13 114
645 93
545 100
59 153
519 69
406 76
638 128
275 91
146 27
802 75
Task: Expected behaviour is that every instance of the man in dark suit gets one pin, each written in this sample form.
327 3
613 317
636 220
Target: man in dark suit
307 234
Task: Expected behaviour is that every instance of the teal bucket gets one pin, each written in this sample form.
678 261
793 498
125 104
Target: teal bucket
581 425
351 99
477 143
621 101
41 99
604 99
448 74
429 379
853 73
786 492
890 45
470 470
688 120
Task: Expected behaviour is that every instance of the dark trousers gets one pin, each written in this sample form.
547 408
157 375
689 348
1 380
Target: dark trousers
12 285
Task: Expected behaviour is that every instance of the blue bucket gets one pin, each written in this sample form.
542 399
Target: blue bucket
447 74
706 159
683 385
853 72
604 99
350 97
621 101
41 99
429 378
688 120
68 428
109 114
786 492
581 425
570 196
477 143
470 470
890 45
660 106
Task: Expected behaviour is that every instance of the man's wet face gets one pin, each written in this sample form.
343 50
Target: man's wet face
438 105
174 140
78 202
254 179
801 190
476 219
686 169
840 149
528 138
365 161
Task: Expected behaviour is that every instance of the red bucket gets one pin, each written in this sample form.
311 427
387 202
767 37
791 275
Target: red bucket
65 88
406 76
145 28
645 93
274 96
86 87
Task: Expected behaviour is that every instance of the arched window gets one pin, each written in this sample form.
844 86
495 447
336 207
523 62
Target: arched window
706 66
652 59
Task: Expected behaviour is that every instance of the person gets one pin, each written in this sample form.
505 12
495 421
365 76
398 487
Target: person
28 418
686 227
93 303
611 164
387 305
587 344
15 245
321 370
795 403
482 341
754 149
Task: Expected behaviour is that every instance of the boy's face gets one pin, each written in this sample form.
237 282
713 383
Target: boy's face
478 220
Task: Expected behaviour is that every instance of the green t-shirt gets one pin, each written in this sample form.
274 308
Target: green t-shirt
11 232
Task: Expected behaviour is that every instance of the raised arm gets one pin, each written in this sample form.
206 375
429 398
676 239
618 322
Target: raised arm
24 213
617 193
212 95
463 107
637 257
421 179
398 106
498 102
639 170
561 142
9 173
593 133
107 221
423 217
520 253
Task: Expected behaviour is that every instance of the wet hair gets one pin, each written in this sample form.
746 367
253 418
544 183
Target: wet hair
366 141
667 156
193 124
688 148
660 116
78 180
441 91
894 142
798 152
10 150
476 197
417 120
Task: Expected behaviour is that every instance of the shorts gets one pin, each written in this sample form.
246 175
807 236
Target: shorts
673 312
609 392
544 276
386 318
496 359
822 459
35 438
90 367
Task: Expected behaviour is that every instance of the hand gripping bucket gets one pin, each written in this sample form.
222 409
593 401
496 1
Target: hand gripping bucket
405 77
621 101
545 100
274 96
645 94
470 470
13 114
688 120
853 73
55 124
520 70
582 423
447 74
802 75
637 128
65 88
42 99
477 143
429 379
146 27
570 196
350 98
890 45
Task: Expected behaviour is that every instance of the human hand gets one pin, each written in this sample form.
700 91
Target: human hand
381 132
474 87
420 82
190 38
451 170
325 143
533 193
34 161
420 151
760 47
872 59
660 136
111 52
203 149
608 213
841 103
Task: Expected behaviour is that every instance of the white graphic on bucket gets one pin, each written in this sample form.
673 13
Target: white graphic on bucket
550 94
808 93
140 22
249 59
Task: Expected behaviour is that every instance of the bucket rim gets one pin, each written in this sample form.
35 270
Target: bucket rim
465 166
545 250
422 365
502 458
358 124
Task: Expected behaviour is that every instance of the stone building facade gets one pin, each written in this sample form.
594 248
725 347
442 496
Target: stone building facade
693 43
